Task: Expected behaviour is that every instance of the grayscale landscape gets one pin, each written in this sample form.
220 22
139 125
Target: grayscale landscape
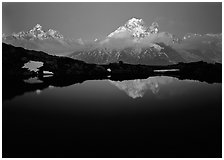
112 80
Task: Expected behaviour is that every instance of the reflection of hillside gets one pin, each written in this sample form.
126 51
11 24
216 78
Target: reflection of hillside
137 88
133 86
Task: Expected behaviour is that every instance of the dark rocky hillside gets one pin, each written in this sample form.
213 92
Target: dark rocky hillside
14 58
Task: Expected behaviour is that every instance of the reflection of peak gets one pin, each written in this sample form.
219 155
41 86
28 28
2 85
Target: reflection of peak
137 88
134 88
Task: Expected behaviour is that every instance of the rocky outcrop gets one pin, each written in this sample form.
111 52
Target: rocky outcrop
14 59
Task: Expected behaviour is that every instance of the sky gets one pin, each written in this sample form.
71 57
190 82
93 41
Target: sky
96 20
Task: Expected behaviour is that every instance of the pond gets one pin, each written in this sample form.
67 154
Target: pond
155 117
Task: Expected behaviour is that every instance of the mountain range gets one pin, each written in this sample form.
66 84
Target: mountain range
50 41
134 43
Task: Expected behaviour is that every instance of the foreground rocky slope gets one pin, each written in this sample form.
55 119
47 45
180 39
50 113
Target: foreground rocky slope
14 58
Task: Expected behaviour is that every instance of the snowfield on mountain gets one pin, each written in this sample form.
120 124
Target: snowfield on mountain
134 43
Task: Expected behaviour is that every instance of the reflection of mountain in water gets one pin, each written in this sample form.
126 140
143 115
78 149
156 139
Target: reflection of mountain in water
137 88
133 86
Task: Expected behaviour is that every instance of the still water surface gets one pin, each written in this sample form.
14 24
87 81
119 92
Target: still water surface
154 117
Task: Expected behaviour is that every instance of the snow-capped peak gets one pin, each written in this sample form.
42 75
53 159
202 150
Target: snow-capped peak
54 33
38 33
196 35
38 27
136 28
214 35
154 28
134 23
191 35
4 36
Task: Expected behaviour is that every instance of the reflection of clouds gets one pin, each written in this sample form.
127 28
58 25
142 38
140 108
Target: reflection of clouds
137 88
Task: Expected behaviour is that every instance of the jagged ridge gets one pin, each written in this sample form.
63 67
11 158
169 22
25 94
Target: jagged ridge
137 28
37 33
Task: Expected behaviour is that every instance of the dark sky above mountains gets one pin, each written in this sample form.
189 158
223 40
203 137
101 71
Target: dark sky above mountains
96 20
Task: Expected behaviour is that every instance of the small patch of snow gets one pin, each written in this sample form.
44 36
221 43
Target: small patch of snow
109 70
33 65
166 70
47 72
